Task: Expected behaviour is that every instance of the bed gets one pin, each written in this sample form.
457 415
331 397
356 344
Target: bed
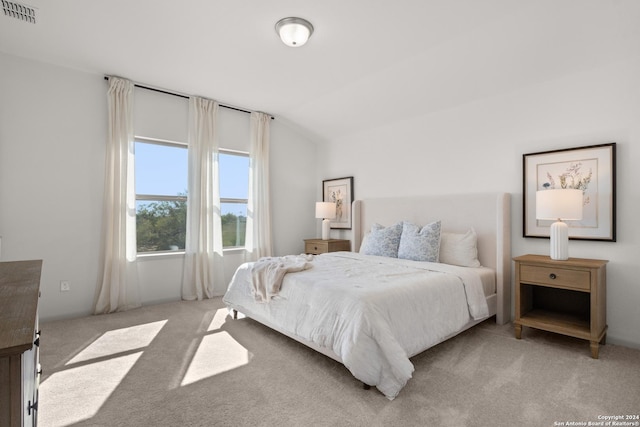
373 312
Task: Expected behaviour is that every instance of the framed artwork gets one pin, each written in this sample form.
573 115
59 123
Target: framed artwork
339 191
591 169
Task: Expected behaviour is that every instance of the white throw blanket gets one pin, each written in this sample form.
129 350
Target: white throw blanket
267 274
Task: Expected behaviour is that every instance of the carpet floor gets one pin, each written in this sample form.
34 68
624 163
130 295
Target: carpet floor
189 364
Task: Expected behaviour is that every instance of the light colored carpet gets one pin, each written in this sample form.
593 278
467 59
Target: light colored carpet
189 364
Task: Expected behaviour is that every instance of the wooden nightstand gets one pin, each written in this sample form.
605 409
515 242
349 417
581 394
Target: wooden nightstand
567 297
319 246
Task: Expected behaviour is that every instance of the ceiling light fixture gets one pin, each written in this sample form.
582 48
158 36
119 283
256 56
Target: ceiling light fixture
294 32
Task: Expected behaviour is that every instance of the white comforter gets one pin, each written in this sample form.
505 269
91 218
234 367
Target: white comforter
372 312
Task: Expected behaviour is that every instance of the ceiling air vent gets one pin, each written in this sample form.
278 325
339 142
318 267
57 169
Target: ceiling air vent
19 11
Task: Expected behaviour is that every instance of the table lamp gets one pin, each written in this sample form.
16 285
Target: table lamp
559 205
326 211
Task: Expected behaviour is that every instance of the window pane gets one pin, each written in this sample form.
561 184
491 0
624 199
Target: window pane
161 225
234 176
238 209
160 169
234 184
234 221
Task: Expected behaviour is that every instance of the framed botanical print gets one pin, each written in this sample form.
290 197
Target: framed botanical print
591 169
340 192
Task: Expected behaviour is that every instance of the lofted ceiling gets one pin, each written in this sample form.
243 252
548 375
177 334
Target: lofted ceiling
369 62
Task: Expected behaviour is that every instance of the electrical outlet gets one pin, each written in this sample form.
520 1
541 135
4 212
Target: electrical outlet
65 286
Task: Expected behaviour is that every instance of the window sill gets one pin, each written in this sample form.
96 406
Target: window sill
150 256
233 251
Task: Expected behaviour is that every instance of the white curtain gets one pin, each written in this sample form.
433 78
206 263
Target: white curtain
203 274
258 237
118 289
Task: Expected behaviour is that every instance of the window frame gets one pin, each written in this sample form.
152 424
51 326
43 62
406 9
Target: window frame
178 198
157 197
231 200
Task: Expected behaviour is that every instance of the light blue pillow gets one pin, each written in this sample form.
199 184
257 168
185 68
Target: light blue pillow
420 244
382 241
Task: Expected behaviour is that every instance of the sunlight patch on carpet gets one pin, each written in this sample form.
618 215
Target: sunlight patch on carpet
218 319
91 384
216 353
119 341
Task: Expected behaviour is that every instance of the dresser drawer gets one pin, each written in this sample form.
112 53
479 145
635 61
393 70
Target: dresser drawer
557 277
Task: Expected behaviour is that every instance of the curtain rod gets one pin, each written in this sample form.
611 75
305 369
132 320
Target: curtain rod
180 95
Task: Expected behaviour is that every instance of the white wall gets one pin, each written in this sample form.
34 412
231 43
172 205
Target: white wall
52 136
478 147
52 151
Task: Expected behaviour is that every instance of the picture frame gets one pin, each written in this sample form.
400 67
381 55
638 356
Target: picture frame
340 191
590 168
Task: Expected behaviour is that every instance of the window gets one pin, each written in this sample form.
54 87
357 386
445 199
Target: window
234 193
161 195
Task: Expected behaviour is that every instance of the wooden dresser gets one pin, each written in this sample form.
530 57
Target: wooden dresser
19 342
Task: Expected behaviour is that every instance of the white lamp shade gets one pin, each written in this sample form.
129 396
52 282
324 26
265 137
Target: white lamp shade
294 32
565 204
325 210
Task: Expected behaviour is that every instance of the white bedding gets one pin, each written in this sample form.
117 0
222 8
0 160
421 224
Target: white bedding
372 312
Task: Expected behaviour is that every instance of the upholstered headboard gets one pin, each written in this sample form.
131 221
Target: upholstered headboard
488 214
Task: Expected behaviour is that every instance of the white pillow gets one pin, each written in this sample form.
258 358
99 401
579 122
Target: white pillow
382 241
459 249
420 244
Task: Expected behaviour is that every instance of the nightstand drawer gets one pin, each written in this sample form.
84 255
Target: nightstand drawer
557 277
319 246
316 247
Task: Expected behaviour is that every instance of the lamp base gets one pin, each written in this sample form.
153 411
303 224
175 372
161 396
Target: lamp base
559 241
326 225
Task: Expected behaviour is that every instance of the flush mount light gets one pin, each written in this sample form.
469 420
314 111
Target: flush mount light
294 32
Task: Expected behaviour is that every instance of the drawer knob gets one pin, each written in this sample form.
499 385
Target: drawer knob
552 276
